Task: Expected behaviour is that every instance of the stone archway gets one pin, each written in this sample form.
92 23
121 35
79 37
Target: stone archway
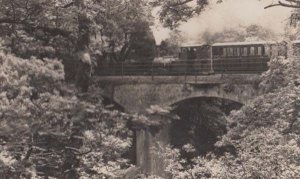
139 97
176 134
202 123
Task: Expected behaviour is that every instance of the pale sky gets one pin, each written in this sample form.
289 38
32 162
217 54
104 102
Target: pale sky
231 13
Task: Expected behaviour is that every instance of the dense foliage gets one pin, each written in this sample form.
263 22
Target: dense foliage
47 130
265 134
79 32
56 25
172 12
171 45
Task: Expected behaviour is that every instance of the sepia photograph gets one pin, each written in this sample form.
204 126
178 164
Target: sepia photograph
149 89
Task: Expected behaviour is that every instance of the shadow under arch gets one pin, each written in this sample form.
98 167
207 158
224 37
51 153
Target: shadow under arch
178 101
202 122
112 104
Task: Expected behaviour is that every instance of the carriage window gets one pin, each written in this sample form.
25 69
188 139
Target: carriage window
215 51
263 51
220 51
236 51
230 51
244 51
259 51
252 51
224 52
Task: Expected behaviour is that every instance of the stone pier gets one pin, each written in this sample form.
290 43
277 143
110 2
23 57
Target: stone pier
151 140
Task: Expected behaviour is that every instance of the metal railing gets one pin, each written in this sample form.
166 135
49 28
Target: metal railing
186 68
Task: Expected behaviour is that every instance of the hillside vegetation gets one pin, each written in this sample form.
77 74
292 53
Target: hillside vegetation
265 134
48 130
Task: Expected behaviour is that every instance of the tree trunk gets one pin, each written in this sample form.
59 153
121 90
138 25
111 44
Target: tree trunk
82 56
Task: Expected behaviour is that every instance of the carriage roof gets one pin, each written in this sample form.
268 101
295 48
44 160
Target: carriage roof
232 44
243 43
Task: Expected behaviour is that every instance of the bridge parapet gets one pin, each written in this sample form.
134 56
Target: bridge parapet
229 65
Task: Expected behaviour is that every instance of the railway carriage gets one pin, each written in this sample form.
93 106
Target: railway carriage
246 57
235 57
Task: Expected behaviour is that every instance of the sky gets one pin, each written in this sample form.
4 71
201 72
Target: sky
230 13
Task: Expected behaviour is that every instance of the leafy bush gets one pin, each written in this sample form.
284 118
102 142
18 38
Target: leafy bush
46 130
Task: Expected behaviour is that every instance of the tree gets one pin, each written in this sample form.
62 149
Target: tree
285 3
51 28
143 47
46 130
171 45
173 12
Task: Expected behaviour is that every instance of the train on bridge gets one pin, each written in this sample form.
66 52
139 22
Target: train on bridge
204 59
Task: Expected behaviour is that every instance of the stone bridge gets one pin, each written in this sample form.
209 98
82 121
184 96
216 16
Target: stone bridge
136 94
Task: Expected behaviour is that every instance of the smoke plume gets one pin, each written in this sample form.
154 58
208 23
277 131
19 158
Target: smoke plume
230 15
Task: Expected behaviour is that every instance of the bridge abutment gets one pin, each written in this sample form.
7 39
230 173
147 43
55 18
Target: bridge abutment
151 140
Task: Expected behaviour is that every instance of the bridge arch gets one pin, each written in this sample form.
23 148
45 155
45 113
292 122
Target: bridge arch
202 122
138 97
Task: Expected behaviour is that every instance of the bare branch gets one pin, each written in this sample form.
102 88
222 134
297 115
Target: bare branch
69 5
180 3
293 4
293 1
272 5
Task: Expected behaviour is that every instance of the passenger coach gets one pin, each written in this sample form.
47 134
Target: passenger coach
246 57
